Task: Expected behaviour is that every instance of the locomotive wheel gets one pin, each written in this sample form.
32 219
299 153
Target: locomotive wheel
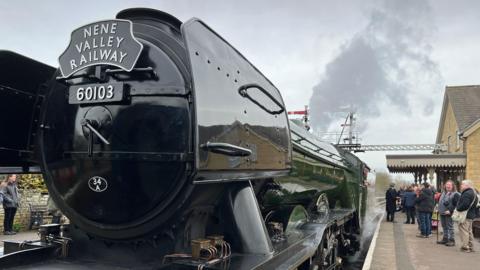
326 257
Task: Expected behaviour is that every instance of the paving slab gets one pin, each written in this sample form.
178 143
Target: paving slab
397 247
384 252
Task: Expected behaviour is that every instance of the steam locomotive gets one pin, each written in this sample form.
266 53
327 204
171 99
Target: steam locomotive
167 149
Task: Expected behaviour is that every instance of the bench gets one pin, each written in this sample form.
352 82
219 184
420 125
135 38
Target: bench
37 212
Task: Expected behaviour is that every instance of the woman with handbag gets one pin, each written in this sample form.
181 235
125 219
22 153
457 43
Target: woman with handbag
465 213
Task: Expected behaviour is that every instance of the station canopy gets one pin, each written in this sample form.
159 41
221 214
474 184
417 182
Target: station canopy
425 162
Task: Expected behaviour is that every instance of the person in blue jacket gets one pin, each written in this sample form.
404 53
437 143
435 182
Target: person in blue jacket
409 201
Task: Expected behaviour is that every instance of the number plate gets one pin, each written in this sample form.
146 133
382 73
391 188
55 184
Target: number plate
95 93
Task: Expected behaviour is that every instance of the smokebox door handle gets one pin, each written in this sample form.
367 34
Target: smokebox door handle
226 149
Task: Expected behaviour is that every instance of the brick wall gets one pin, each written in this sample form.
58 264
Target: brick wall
473 158
23 212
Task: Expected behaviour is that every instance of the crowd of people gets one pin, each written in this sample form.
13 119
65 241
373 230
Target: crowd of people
420 202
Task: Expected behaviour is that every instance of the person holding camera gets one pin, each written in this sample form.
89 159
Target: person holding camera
446 205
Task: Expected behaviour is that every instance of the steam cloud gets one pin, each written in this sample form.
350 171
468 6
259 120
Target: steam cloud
388 61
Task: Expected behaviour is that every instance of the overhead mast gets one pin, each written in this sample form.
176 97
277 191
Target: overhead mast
351 142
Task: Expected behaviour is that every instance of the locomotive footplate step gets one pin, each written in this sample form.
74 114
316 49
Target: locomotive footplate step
13 246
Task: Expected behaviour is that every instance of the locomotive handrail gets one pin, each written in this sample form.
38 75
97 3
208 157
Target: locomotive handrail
318 149
244 93
99 75
226 149
125 155
147 70
16 91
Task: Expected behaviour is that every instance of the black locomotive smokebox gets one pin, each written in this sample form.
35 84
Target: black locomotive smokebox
118 168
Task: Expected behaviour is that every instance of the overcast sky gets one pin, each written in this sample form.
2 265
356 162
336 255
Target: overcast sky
387 60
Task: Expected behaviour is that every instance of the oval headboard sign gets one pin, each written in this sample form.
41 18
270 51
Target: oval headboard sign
109 42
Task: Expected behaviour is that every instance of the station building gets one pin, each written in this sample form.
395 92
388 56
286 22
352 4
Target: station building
458 136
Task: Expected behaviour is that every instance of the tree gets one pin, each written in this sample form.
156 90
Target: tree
382 181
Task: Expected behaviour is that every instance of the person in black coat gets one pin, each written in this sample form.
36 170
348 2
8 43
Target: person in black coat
391 202
467 202
425 204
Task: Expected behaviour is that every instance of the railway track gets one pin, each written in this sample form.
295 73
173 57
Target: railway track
370 231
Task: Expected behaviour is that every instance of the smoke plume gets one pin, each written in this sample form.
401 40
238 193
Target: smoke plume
387 62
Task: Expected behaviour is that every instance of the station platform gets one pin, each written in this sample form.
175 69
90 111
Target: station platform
396 247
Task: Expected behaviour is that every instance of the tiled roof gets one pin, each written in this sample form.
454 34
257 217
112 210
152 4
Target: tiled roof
465 101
